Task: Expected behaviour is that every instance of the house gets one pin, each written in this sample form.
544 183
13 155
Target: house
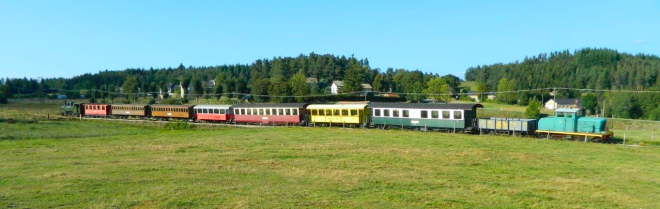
312 81
475 96
210 84
336 87
366 87
553 104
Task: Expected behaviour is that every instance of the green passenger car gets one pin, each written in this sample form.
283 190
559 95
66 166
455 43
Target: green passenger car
459 117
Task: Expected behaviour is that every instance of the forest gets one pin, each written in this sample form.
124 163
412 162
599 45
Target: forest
264 78
625 85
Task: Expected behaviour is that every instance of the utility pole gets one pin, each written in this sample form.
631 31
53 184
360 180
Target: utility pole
554 89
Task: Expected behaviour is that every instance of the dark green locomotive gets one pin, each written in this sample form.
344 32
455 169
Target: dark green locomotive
71 109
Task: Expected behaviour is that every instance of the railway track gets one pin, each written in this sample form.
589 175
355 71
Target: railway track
188 122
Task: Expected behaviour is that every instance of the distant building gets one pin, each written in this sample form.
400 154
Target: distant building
62 96
312 81
336 87
475 96
366 87
210 84
553 104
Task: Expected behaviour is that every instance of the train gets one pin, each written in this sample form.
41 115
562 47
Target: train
459 117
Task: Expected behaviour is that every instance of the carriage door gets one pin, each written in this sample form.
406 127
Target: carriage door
560 124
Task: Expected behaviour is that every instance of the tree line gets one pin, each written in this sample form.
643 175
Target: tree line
264 78
588 68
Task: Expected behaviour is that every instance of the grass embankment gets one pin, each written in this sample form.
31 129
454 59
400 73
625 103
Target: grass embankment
48 164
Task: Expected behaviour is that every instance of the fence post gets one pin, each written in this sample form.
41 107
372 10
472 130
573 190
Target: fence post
624 138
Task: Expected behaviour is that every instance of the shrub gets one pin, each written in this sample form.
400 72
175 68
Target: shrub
171 101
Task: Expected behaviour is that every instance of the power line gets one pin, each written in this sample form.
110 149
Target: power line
357 92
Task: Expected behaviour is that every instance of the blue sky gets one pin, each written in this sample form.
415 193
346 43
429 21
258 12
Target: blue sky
67 38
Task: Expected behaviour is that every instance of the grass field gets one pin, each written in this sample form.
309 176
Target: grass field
96 164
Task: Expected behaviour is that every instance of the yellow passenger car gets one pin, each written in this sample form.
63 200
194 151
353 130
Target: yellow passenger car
349 114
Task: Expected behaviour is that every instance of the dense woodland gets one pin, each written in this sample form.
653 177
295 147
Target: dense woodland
601 69
277 76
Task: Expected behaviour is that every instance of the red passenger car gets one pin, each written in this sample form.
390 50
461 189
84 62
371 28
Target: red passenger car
102 110
213 113
282 113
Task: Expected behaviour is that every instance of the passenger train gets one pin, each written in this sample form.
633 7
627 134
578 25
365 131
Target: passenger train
569 123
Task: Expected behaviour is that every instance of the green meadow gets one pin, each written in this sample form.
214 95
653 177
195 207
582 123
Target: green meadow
98 164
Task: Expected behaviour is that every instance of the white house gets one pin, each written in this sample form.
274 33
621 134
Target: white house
563 104
336 87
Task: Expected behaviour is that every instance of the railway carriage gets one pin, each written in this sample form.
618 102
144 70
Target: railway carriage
280 113
96 110
172 111
130 110
339 114
213 113
455 117
508 125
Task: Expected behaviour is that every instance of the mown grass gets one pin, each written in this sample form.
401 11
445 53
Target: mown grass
314 167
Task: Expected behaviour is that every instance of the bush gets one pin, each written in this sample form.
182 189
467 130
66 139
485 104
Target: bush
533 110
152 101
3 100
184 100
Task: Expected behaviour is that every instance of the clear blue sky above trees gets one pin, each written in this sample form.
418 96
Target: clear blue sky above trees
66 38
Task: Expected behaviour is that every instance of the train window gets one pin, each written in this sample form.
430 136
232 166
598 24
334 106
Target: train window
295 112
445 114
280 111
314 112
376 112
205 111
458 115
560 114
425 114
386 113
288 112
243 112
405 114
335 112
434 114
219 111
395 113
321 112
267 111
354 112
344 112
261 111
328 112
